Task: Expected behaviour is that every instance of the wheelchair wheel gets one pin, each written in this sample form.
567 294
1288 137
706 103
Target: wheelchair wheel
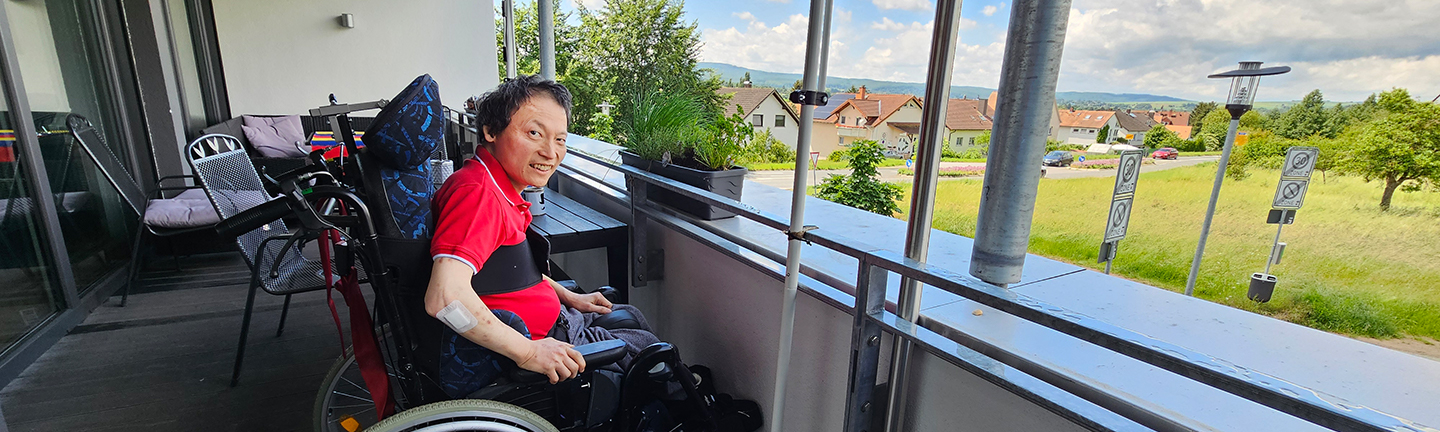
344 403
465 415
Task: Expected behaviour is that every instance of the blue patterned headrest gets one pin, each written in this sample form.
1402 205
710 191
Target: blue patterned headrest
409 127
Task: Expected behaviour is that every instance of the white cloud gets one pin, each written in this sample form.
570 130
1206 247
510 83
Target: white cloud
885 24
912 5
989 10
904 56
777 48
589 4
1168 46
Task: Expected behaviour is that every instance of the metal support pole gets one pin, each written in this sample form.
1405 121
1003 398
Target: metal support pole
1112 257
1022 123
546 17
1210 211
922 197
817 51
508 8
1279 227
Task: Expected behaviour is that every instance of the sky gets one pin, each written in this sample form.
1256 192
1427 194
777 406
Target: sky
1347 49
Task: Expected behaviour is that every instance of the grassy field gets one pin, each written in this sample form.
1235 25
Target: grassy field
1349 268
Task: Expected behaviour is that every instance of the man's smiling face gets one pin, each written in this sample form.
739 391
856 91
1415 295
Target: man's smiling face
533 144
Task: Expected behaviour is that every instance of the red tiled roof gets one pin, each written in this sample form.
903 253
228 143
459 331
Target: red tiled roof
1180 130
875 107
1084 118
1178 118
748 98
964 114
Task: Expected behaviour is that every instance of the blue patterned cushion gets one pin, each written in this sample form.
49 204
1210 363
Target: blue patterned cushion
410 126
409 192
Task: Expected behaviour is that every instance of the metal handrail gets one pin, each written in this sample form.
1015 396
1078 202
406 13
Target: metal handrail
1310 405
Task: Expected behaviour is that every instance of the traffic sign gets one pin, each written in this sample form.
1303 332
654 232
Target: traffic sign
1119 219
1290 194
1300 162
1278 216
1128 172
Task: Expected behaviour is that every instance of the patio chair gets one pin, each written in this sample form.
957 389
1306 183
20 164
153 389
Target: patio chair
186 212
273 252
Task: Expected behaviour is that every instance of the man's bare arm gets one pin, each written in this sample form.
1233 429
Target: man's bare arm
450 282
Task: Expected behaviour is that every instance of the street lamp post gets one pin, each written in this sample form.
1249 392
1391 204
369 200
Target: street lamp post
1242 97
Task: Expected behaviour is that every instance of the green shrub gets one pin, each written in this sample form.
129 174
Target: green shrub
862 189
654 125
840 155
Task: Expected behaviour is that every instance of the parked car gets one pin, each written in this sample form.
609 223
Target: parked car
1165 153
1058 158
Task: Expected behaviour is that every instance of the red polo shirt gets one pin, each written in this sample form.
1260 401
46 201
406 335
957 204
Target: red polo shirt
478 210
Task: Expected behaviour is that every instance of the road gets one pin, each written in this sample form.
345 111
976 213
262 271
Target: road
785 179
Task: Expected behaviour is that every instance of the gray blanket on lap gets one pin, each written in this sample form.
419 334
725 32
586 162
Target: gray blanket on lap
580 332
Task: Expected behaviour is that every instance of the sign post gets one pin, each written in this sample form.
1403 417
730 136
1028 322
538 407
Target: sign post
1289 196
1127 176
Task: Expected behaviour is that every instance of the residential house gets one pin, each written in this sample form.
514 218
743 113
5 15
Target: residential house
989 110
766 110
1082 126
964 122
1180 131
1131 126
1171 118
893 120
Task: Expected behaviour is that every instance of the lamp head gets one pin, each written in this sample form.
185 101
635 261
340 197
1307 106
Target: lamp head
1243 84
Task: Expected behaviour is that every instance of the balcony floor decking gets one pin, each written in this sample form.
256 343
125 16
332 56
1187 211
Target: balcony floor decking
163 362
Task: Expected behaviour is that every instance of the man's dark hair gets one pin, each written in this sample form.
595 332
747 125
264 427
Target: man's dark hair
494 109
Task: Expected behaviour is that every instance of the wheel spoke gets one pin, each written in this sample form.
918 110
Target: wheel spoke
352 396
361 387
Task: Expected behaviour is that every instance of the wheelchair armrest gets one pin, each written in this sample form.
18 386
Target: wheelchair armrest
596 355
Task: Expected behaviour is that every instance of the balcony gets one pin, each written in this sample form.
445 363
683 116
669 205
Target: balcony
852 131
1065 349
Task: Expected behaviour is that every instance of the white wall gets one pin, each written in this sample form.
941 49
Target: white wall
282 57
771 108
39 63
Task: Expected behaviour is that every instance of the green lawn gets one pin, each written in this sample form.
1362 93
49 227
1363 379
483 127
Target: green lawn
825 164
1349 268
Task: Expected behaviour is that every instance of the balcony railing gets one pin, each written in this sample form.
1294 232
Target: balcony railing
976 356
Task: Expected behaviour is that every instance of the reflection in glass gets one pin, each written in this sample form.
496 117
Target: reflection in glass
29 292
63 68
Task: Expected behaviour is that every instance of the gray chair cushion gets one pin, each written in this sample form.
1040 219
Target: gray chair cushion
189 209
274 136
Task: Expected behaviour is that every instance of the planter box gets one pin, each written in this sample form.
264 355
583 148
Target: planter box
727 183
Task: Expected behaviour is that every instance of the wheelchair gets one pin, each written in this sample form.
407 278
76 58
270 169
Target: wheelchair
367 212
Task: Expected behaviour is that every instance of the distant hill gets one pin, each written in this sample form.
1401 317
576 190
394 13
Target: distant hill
834 84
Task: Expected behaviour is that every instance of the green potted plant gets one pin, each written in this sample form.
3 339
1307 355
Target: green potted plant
668 135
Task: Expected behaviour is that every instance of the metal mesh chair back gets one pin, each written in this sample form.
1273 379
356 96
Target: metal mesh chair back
233 185
110 167
213 144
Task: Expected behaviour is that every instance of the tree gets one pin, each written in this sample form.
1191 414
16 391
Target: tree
1201 110
643 46
1252 121
1401 148
746 80
1159 136
1213 129
1103 135
1307 118
586 89
798 84
861 188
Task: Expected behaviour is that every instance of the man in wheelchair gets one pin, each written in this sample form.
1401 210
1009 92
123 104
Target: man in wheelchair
470 326
480 286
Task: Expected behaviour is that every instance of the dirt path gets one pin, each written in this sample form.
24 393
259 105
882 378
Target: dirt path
1427 348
